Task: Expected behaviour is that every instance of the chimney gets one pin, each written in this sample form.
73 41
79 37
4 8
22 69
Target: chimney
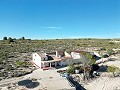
57 54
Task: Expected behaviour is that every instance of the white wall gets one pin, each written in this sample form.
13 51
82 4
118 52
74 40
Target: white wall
37 59
75 55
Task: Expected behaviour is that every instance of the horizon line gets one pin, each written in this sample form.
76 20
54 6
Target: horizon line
65 38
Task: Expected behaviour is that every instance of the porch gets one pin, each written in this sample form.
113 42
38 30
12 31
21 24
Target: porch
49 65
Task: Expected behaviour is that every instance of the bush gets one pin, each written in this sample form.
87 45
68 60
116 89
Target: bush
71 69
8 68
112 69
20 64
111 43
103 48
110 51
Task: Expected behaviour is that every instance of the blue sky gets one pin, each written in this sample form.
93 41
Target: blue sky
52 19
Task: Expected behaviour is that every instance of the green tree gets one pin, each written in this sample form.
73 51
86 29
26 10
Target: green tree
87 60
23 38
4 38
10 39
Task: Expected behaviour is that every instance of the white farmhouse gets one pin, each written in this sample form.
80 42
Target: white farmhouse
54 59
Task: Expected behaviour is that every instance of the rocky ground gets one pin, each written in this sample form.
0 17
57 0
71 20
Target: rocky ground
16 66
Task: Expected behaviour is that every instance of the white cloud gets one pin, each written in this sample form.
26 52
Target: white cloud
51 27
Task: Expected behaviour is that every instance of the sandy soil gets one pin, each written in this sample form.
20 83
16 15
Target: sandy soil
104 83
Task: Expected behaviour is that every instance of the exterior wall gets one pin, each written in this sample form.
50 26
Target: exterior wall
95 53
45 65
53 63
37 59
73 61
75 55
67 54
69 61
44 58
64 62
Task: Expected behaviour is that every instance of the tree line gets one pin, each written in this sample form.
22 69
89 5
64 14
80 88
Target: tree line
12 39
